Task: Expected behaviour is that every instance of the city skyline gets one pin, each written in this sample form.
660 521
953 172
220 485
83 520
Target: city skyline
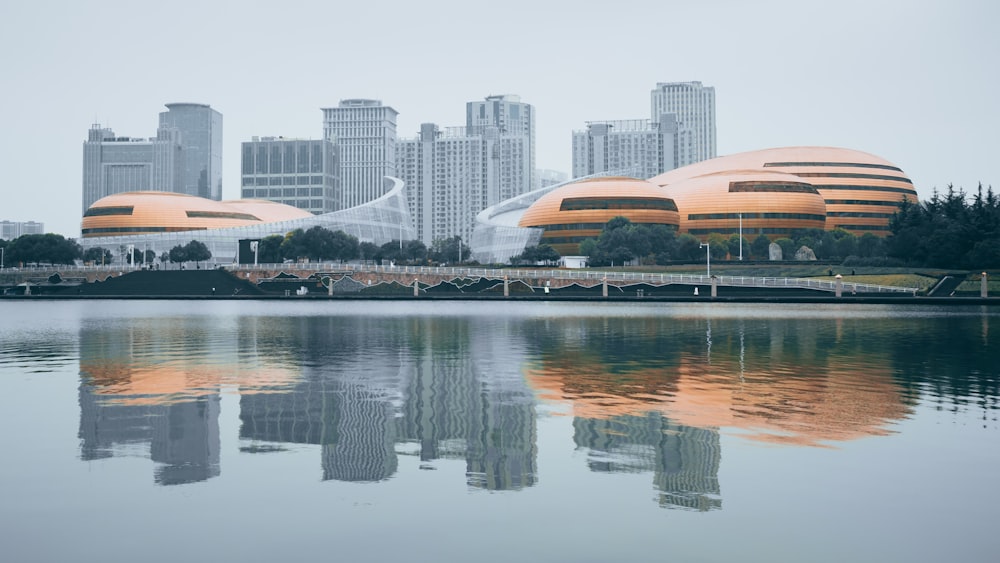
911 82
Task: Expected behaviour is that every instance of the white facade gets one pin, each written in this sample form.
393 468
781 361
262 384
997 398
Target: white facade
379 221
453 174
512 118
694 106
642 144
364 132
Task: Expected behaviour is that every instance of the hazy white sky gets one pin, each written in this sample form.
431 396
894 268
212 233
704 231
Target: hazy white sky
912 81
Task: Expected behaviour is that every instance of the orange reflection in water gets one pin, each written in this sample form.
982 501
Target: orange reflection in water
125 382
818 403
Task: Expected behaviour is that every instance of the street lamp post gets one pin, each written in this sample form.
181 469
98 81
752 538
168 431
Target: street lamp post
741 237
708 259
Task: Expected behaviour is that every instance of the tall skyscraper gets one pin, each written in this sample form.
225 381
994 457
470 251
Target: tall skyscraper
512 118
185 157
644 147
200 129
113 164
296 172
694 106
453 174
364 132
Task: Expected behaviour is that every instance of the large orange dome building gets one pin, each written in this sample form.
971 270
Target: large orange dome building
861 191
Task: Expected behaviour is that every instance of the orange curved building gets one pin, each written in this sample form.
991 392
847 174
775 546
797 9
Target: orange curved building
133 213
861 191
580 210
752 201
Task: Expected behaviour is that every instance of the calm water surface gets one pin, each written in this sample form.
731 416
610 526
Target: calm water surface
480 432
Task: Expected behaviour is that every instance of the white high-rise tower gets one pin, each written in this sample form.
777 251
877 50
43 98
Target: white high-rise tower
364 132
694 106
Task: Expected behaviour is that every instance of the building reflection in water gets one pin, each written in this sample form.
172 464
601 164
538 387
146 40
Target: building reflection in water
150 388
684 460
648 394
445 385
654 394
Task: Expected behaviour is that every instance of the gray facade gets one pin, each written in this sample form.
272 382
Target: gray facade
113 164
648 146
200 129
364 132
513 118
694 106
453 174
10 230
297 172
184 157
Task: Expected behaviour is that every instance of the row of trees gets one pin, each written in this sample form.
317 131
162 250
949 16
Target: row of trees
40 249
623 241
56 249
319 244
948 231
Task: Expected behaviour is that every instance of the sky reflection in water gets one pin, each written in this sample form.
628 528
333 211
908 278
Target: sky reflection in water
356 390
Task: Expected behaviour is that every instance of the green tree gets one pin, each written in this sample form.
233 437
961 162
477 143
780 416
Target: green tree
293 247
197 252
539 253
98 256
42 249
370 251
414 252
345 246
738 246
788 248
869 246
718 246
392 251
760 247
450 250
689 247
269 249
178 254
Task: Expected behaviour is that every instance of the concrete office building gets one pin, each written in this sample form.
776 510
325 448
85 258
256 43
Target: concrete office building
364 132
694 106
200 129
296 172
647 146
114 164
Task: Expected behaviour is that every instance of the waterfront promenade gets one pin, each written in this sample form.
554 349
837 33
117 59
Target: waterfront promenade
354 281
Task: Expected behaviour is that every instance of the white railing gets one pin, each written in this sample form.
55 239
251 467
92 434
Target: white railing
511 273
584 275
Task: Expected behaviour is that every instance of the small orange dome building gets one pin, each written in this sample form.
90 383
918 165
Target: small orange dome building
134 213
753 202
580 210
